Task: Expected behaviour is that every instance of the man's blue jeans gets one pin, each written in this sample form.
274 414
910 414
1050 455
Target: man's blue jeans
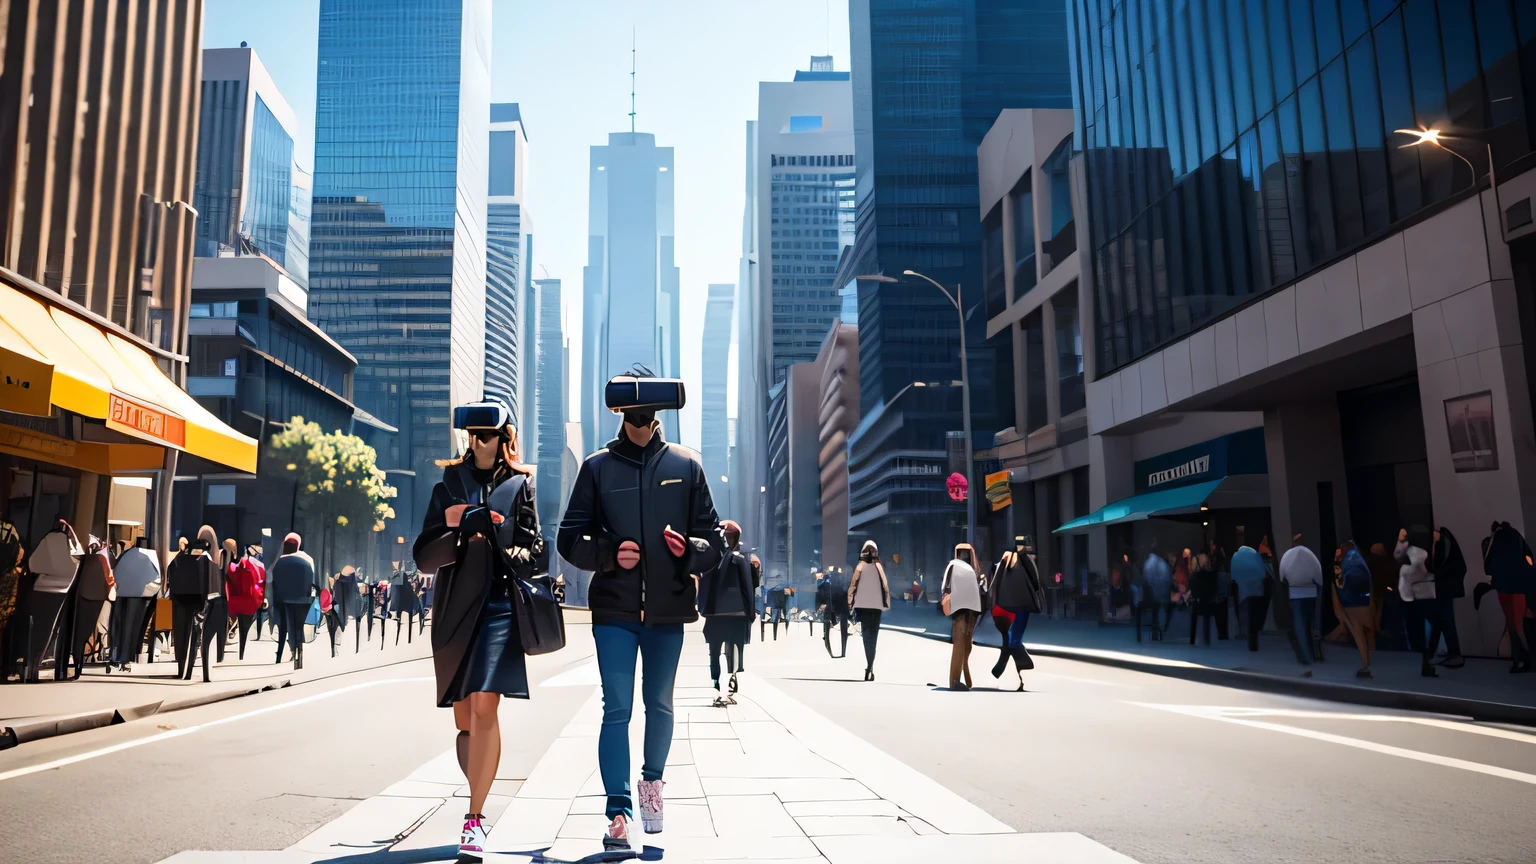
659 649
1303 613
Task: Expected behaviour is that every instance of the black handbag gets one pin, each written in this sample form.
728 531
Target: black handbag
540 620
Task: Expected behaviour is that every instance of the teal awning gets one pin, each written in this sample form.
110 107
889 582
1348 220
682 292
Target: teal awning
1167 502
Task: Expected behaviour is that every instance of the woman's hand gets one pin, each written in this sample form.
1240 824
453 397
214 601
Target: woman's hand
676 543
497 518
454 515
628 555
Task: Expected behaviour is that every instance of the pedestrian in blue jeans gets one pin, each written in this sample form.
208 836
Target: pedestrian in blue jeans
1016 589
641 519
1302 574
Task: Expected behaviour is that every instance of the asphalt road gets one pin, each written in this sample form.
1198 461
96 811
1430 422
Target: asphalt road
1159 769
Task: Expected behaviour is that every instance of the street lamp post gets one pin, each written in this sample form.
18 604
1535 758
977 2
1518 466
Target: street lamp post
965 397
1437 136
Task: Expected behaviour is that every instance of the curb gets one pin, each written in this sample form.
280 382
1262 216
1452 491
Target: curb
1477 709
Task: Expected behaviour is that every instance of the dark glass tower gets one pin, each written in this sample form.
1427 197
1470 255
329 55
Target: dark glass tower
397 266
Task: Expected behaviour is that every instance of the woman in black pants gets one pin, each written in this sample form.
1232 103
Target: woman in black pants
869 595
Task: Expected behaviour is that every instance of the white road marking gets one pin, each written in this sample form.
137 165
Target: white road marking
1435 722
177 733
1218 713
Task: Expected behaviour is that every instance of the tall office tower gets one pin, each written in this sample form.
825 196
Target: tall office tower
714 434
247 179
630 284
551 387
750 467
504 260
805 198
397 258
918 125
532 325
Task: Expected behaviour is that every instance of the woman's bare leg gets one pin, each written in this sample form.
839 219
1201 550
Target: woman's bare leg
484 746
461 742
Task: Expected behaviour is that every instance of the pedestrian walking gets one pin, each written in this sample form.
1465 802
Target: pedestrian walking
725 600
292 590
1449 568
960 599
774 612
1016 590
193 580
1352 594
834 611
1416 585
137 573
1205 600
347 604
869 595
1251 580
479 534
1512 575
245 584
1302 574
641 519
1157 579
94 588
1383 580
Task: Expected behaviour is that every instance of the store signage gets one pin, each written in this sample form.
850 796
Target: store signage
957 486
1197 467
147 421
998 492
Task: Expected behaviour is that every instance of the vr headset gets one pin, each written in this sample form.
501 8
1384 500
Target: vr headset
633 393
488 414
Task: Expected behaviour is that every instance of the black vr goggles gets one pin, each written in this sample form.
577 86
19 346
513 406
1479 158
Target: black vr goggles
489 414
633 393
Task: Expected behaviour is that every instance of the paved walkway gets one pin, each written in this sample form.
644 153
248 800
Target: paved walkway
1484 680
768 779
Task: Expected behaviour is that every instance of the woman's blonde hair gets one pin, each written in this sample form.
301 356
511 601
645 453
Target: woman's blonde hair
507 455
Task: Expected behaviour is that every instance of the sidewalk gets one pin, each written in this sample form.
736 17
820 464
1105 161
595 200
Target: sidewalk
768 779
29 712
1483 689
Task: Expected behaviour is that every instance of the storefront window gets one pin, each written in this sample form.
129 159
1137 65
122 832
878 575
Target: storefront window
1069 351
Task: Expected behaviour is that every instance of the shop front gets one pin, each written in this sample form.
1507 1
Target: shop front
1215 493
90 429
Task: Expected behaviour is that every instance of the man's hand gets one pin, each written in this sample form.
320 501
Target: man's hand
497 518
455 514
629 555
677 544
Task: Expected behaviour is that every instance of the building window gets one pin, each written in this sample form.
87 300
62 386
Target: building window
992 262
1033 329
805 123
1063 229
1069 351
1024 274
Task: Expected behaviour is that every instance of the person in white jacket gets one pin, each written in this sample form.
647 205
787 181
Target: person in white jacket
137 573
1416 586
1303 574
961 600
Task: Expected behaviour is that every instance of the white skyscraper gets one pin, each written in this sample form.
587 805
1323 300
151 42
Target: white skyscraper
506 263
630 284
714 431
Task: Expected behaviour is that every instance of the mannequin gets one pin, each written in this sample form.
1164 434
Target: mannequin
137 574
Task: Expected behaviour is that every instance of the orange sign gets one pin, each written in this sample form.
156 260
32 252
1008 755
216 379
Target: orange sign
136 418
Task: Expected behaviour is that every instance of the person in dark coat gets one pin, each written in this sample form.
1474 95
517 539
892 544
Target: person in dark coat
1016 589
292 589
1512 573
93 589
641 519
725 600
1450 570
836 612
480 531
194 580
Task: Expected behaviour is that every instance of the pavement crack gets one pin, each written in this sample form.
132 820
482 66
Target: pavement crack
317 797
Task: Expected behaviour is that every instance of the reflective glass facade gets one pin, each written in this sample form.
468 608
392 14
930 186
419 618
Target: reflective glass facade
221 139
812 220
1234 146
397 266
270 184
503 257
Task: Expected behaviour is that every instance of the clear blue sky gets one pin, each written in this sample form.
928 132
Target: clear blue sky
567 63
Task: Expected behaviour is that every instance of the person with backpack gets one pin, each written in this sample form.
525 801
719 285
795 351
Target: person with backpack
1352 593
245 584
193 580
1250 582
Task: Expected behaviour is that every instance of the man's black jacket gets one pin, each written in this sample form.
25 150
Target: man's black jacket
626 493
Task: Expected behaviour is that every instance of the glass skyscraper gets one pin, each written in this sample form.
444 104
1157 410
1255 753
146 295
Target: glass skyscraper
714 436
1234 146
398 251
247 181
505 262
551 385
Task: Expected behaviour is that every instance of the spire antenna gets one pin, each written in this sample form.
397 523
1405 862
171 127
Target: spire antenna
631 80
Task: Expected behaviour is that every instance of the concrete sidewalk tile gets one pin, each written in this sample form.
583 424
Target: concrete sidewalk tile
746 711
833 826
680 754
709 751
714 786
682 783
711 730
869 807
209 857
370 825
422 789
687 820
752 816
587 805
527 823
1062 848
443 826
593 785
560 772
701 714
576 729
919 827
659 847
442 768
584 825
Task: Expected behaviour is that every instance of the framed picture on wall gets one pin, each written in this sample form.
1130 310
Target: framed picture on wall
1469 424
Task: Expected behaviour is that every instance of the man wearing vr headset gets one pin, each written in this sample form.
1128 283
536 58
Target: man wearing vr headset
641 519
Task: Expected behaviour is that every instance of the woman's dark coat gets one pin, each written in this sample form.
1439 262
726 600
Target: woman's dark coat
1017 588
1449 567
466 562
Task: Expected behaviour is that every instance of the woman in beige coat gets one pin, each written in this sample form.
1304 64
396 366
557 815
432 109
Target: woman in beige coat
869 595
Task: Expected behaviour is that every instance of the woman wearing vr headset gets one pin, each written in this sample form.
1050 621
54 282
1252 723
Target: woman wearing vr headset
483 507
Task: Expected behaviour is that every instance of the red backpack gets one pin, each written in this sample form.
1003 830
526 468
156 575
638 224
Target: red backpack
245 583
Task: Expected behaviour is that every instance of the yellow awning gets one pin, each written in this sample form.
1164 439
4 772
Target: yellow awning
101 375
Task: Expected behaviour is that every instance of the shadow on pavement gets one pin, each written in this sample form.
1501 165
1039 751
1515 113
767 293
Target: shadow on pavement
401 856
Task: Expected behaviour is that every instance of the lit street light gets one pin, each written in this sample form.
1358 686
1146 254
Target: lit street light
965 394
1438 136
